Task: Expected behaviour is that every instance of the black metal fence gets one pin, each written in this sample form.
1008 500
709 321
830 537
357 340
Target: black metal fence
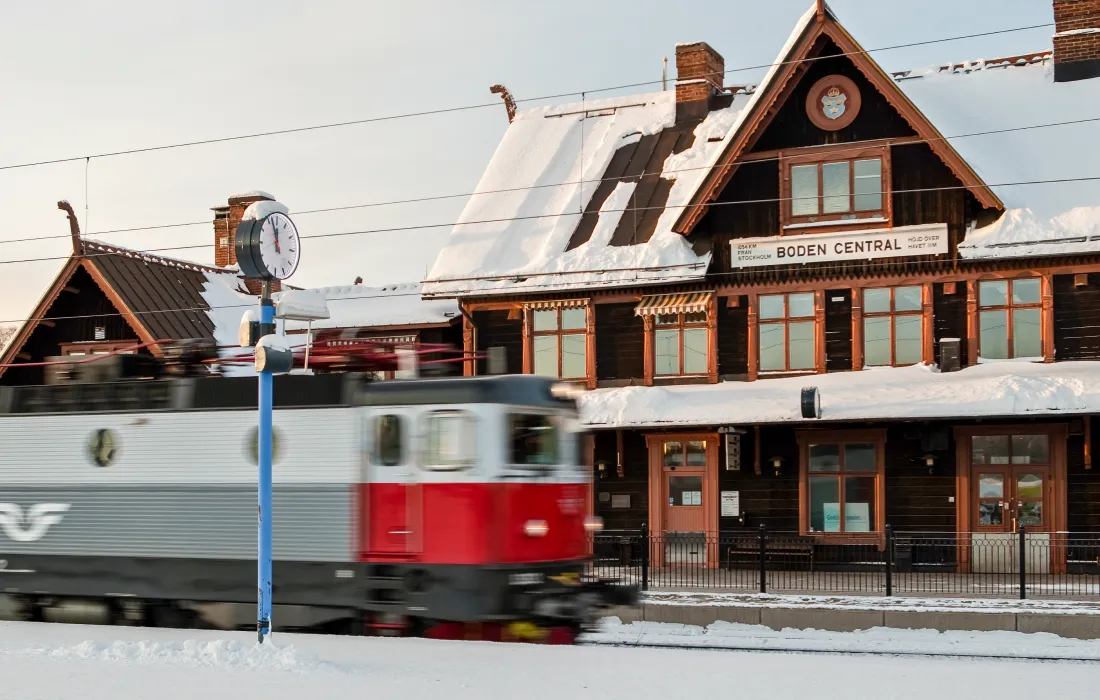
1021 564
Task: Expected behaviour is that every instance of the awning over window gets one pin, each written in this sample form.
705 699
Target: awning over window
559 304
687 303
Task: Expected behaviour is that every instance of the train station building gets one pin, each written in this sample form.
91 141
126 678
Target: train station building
920 248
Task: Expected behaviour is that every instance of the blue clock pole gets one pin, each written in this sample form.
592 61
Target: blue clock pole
263 618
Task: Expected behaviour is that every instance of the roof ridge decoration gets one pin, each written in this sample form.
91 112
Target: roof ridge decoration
778 85
105 248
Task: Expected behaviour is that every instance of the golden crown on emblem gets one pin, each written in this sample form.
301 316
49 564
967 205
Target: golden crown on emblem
833 92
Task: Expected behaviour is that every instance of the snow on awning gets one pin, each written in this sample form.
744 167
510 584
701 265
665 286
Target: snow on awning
560 304
688 303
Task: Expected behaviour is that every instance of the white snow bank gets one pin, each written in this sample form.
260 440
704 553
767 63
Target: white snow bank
263 208
878 640
988 390
988 99
415 669
226 654
358 306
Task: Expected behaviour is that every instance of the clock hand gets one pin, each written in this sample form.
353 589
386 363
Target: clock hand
275 229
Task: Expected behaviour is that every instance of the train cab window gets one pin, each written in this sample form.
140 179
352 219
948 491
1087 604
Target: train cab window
389 445
451 440
534 441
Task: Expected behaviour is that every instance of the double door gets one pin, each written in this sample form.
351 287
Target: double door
1010 498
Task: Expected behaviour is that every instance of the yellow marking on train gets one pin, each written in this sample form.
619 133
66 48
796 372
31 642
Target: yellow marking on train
571 579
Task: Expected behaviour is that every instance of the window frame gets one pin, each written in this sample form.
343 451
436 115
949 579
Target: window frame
470 431
586 332
785 321
560 447
680 326
99 347
822 222
402 436
893 315
1009 307
841 438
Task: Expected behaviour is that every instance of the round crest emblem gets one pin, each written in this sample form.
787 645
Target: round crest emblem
833 103
103 447
252 445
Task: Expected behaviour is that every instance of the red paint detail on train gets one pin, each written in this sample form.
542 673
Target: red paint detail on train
472 523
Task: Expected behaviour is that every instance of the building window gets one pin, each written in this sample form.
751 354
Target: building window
893 326
92 348
842 482
787 332
680 344
823 189
1009 318
690 453
559 342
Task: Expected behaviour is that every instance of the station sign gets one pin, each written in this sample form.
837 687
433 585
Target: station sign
899 242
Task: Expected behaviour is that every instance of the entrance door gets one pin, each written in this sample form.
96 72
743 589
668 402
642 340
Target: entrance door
684 484
391 504
1011 489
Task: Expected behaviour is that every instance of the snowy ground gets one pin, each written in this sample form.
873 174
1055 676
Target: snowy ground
96 663
895 603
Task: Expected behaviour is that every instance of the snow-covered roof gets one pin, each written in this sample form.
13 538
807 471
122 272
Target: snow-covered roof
996 100
520 233
997 389
357 306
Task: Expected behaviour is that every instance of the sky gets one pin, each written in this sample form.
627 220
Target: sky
83 78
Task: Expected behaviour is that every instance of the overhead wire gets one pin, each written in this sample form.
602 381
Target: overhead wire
466 108
848 148
452 224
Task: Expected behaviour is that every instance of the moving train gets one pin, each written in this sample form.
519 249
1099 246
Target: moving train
426 506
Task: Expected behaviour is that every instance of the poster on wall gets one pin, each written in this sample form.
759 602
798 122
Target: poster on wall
857 517
731 504
832 516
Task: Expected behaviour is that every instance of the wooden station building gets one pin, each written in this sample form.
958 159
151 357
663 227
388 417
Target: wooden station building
922 247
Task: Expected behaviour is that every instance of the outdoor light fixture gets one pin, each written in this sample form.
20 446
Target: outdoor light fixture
930 462
601 468
777 465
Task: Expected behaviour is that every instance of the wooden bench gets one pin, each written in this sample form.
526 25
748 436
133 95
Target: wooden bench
785 549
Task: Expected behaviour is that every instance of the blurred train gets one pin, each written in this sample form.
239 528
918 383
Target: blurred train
422 507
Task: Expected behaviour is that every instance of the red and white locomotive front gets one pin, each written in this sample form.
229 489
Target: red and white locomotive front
475 502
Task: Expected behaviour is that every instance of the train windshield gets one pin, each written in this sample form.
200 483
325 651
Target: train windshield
535 441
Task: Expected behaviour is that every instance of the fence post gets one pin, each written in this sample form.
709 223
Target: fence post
1023 563
889 561
763 558
646 544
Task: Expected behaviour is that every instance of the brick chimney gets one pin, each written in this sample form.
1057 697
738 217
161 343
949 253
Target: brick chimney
226 221
1076 40
700 73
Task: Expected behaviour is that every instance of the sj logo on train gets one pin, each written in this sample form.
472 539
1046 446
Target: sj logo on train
30 525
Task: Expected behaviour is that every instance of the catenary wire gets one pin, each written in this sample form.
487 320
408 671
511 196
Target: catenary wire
419 227
466 108
851 148
558 286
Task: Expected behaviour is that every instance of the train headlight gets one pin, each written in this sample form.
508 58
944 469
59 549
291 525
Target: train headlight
536 528
593 523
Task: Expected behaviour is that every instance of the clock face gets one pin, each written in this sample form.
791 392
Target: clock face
280 248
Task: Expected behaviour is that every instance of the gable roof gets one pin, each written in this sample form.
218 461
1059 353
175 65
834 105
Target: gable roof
999 103
777 85
160 298
532 228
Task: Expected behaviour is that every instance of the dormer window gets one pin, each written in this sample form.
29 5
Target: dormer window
835 189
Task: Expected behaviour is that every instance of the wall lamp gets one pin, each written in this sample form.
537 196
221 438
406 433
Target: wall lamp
777 465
